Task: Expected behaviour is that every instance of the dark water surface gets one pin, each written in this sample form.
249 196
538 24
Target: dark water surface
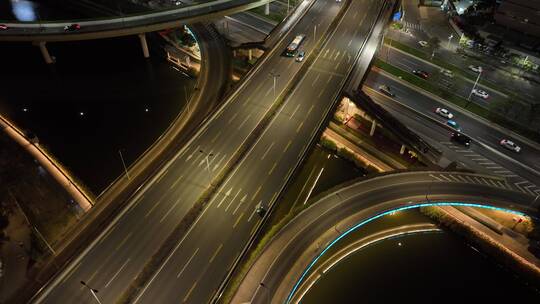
425 268
100 96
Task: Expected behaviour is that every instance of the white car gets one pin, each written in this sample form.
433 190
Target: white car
423 43
480 93
510 145
475 68
447 73
444 113
300 56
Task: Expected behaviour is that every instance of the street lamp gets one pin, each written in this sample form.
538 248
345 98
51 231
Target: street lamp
92 291
275 76
473 88
123 163
449 39
206 158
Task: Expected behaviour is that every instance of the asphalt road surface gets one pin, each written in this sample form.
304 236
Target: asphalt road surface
484 155
199 264
120 252
293 248
457 85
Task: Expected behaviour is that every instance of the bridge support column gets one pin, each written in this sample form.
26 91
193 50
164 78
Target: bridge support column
144 45
373 126
402 150
267 8
250 54
43 48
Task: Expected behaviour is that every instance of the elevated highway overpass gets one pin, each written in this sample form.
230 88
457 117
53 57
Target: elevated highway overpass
125 25
247 151
39 33
284 265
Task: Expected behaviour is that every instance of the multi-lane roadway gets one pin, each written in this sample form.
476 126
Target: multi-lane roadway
291 253
196 268
120 252
485 154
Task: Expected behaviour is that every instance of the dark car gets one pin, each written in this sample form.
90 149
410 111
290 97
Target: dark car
461 139
421 74
260 211
72 27
386 90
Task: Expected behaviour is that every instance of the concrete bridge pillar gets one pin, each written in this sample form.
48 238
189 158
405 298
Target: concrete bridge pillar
144 45
43 48
373 126
267 8
250 54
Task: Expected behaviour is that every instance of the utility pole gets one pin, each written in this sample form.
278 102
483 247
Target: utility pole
92 291
123 164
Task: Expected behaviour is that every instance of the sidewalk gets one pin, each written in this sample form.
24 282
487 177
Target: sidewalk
508 240
48 163
365 156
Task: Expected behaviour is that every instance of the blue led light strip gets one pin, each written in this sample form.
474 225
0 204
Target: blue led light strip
291 294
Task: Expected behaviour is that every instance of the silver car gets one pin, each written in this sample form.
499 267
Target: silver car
444 113
510 145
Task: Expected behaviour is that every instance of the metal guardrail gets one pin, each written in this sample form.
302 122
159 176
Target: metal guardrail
165 16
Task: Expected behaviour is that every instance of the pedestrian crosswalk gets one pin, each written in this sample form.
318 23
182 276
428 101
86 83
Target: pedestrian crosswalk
411 25
515 181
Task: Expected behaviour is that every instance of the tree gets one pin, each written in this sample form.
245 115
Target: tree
434 43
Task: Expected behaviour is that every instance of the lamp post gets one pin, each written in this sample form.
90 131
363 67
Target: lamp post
473 88
449 39
275 76
206 158
92 291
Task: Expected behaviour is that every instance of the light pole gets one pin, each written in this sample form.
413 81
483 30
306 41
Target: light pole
275 76
123 163
30 224
206 158
314 31
92 291
186 98
288 7
473 88
449 39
